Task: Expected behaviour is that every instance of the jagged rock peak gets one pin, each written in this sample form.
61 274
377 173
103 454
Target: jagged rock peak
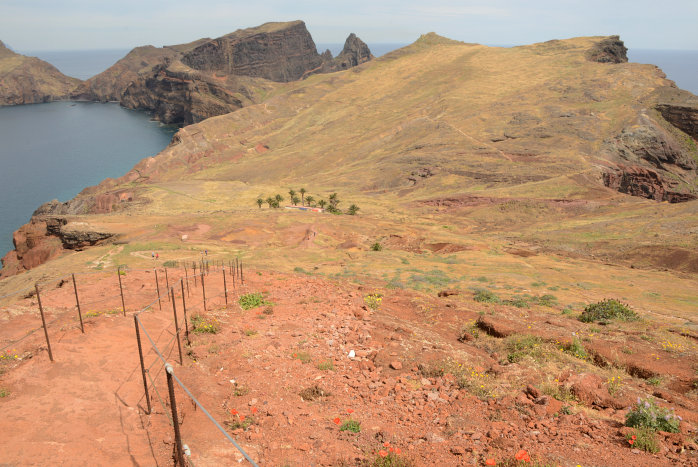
356 50
609 50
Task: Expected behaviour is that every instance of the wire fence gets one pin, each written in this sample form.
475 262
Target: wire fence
187 289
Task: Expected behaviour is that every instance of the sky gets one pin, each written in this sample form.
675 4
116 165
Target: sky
36 25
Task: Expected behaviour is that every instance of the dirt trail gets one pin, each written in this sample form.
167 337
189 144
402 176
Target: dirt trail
83 408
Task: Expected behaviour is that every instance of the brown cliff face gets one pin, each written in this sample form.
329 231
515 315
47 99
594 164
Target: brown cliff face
187 83
28 80
111 83
274 51
653 162
609 50
176 93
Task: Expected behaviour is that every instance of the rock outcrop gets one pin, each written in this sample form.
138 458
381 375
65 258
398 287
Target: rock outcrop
28 80
43 239
188 83
609 50
111 83
354 53
653 163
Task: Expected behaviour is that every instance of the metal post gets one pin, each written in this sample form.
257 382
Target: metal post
77 301
242 278
174 311
203 289
123 304
175 418
43 321
143 370
233 273
225 288
186 278
167 283
157 285
194 274
186 320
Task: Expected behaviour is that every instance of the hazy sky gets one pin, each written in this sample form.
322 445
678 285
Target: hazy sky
94 24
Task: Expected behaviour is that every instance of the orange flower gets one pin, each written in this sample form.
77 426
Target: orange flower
254 409
233 411
382 453
295 355
397 450
336 421
350 411
522 456
242 418
391 450
490 462
631 441
633 437
386 444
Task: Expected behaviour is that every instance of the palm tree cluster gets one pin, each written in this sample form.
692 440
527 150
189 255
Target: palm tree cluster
331 205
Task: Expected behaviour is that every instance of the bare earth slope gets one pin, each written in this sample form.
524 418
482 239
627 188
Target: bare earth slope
28 80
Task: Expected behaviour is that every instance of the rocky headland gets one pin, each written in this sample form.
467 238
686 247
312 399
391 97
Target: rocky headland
188 83
29 80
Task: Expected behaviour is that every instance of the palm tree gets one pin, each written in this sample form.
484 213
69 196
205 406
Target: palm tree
260 202
291 193
302 190
295 200
278 199
322 203
270 201
310 200
353 209
333 200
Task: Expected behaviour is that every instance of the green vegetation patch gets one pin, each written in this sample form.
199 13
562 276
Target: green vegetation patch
204 325
607 310
647 414
252 300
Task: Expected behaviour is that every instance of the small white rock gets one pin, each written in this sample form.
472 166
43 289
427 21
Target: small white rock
352 354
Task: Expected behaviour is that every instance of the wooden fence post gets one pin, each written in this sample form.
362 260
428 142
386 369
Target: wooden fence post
43 321
123 304
77 302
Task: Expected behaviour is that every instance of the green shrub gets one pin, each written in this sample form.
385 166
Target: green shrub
577 349
390 459
351 425
606 310
169 264
373 301
251 300
643 438
325 365
518 302
203 325
647 414
485 296
525 346
376 247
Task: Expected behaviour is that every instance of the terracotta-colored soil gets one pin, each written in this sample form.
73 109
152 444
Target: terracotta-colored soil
87 408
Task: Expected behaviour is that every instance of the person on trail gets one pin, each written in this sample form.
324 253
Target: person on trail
152 255
206 252
157 255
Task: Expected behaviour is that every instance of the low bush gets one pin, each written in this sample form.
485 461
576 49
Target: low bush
647 414
203 325
485 296
251 300
607 310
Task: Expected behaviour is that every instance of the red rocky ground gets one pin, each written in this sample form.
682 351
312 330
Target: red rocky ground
412 385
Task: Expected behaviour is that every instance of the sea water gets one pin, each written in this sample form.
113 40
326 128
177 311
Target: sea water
53 151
